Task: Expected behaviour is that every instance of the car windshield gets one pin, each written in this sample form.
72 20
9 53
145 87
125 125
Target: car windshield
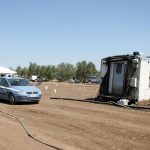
92 77
18 82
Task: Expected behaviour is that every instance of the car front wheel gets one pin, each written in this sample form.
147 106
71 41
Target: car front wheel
11 99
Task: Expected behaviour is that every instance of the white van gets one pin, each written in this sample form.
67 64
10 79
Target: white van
34 78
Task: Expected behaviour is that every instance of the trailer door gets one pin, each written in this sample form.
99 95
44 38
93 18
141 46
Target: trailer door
118 78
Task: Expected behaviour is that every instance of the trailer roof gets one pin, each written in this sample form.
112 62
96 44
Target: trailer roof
126 57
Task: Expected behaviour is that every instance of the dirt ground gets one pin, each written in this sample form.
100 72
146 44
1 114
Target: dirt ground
73 125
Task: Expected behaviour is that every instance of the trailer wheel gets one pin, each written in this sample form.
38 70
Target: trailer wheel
11 99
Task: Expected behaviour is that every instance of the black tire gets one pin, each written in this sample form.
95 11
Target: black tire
11 99
36 102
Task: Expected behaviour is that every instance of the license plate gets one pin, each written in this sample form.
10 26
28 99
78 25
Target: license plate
33 95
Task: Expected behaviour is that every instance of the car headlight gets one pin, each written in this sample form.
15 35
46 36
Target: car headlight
39 92
21 92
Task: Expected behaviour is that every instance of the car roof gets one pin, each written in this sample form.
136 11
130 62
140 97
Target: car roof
11 78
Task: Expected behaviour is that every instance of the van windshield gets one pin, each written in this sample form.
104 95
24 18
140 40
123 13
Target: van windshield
18 82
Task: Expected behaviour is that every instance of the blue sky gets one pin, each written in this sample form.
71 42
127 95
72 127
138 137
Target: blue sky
49 32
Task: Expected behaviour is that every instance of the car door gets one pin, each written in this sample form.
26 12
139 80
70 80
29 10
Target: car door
3 88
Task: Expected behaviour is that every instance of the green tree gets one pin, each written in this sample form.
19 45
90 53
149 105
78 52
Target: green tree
91 69
81 71
19 70
25 72
84 70
32 69
49 72
42 71
65 71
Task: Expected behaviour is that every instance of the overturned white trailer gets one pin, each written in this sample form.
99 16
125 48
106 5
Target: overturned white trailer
125 77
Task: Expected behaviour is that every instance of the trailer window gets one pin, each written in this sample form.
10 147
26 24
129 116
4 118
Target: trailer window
119 68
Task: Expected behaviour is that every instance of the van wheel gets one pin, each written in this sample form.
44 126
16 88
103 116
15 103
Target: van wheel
11 99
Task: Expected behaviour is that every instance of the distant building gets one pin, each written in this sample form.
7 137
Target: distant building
7 72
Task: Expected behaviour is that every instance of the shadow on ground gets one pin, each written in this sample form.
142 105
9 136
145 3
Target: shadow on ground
2 101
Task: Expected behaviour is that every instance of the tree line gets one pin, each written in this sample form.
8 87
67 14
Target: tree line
62 72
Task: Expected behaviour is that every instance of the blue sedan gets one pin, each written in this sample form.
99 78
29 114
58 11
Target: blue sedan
18 90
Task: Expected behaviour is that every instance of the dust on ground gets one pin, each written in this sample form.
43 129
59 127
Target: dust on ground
73 125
